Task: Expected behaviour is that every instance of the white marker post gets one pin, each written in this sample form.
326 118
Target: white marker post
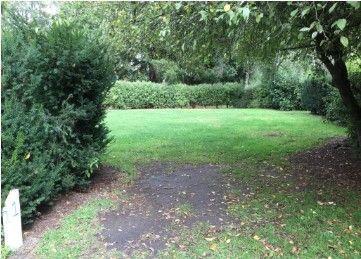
12 221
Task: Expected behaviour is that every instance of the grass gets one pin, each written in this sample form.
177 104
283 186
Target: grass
274 220
221 136
76 236
183 210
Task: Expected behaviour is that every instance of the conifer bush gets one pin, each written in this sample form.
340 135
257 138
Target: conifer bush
54 82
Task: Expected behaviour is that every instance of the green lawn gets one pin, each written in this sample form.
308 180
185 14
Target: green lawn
221 136
275 221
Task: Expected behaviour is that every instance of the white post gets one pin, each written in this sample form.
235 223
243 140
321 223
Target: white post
12 221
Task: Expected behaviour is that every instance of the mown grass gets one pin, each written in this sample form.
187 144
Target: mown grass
76 236
274 221
222 136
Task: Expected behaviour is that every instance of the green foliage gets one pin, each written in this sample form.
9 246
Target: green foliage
53 85
280 93
314 94
30 152
335 109
140 95
165 71
5 252
220 72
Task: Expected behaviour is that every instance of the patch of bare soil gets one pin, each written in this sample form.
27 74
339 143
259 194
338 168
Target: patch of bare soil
166 199
335 164
104 180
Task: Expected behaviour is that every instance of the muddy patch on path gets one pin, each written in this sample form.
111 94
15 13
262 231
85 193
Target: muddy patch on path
166 199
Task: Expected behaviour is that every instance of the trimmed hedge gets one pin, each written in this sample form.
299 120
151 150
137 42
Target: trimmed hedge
142 95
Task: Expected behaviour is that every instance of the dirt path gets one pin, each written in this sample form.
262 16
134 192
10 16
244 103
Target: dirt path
166 199
169 198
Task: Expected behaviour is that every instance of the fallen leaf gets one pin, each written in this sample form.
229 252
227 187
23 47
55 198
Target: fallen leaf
228 241
210 239
213 247
295 249
27 156
182 247
255 237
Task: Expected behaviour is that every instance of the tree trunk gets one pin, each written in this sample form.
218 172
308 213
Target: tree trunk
340 80
151 73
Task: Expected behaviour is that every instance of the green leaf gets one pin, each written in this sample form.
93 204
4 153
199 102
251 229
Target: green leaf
203 15
246 13
319 27
259 17
305 11
178 6
305 29
194 44
354 4
313 24
344 41
341 23
332 8
231 15
294 12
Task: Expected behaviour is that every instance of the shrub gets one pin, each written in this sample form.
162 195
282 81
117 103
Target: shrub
138 95
335 110
281 93
29 152
314 94
54 83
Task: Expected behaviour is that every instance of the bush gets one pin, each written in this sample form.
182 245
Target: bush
54 83
314 94
281 93
141 95
335 110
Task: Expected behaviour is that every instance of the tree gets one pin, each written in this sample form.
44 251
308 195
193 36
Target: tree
197 34
330 31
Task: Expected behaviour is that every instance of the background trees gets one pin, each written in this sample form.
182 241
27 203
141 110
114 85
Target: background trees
211 42
326 31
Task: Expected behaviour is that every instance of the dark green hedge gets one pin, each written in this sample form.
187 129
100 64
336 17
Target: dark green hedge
53 85
141 95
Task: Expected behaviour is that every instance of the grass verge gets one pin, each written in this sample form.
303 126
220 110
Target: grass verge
76 236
